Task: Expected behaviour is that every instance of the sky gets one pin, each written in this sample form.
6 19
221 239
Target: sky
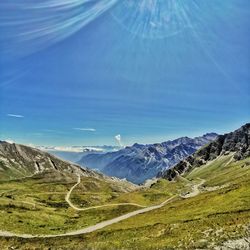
80 73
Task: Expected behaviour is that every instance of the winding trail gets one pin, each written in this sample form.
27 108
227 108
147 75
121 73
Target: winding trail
195 190
106 223
91 228
67 198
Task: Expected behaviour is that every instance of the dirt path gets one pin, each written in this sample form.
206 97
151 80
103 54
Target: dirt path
195 190
91 228
67 198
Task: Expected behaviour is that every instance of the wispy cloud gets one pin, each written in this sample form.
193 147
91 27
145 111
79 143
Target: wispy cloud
86 129
15 115
49 130
49 29
36 134
54 132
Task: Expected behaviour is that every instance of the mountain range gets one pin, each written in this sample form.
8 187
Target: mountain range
200 203
139 162
19 162
236 143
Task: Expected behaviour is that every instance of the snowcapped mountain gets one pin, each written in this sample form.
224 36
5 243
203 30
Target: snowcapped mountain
140 162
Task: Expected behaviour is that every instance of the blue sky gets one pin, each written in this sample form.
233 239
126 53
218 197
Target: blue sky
118 74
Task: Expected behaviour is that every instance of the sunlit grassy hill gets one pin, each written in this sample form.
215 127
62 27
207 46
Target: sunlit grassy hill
204 206
34 186
218 216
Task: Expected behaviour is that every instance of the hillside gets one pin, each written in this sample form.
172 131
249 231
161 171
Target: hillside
19 161
237 142
206 207
45 195
141 162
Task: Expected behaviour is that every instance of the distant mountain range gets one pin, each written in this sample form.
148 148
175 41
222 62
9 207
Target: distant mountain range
212 195
139 162
236 143
75 153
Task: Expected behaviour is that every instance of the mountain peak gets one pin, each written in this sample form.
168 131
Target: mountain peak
236 142
137 145
210 134
140 162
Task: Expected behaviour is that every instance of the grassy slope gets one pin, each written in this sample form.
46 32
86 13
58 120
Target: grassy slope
199 222
104 194
36 205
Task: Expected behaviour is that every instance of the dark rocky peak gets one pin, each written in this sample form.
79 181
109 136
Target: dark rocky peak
236 142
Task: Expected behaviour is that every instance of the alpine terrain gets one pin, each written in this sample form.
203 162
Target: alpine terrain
141 162
236 143
200 203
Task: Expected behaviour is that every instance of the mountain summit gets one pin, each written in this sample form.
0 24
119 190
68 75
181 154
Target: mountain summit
236 143
140 162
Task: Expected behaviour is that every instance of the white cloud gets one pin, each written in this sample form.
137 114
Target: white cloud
16 116
86 129
76 149
119 139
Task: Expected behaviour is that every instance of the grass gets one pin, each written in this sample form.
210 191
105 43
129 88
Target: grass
204 221
37 205
102 193
32 207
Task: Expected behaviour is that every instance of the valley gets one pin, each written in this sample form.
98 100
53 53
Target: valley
66 206
125 125
139 162
203 205
189 221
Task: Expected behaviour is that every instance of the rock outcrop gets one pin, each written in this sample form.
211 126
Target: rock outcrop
236 142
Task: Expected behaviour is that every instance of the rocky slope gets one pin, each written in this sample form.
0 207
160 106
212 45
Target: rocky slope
236 142
17 161
141 162
20 161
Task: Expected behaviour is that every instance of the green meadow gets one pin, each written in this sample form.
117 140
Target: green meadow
221 211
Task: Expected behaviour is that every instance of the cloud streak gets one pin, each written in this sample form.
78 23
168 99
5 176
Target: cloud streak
15 115
29 26
85 129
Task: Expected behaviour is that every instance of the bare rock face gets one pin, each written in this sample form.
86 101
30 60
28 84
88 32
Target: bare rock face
238 141
235 142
